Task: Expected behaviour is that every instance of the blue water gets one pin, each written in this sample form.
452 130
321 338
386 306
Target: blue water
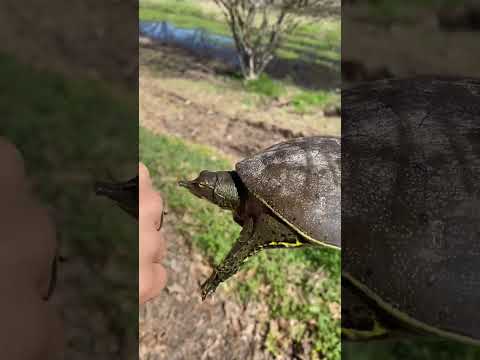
197 40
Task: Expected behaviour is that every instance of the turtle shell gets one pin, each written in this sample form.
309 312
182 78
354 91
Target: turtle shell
299 180
411 200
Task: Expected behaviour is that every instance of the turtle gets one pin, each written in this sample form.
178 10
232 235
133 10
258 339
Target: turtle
411 209
123 193
286 196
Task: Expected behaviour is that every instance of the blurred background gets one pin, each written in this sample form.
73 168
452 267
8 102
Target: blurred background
397 39
68 101
393 38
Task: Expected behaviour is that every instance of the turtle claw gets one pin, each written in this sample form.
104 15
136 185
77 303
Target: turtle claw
209 286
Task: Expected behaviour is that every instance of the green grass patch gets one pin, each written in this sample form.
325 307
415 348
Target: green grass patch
296 285
183 14
306 100
72 127
265 86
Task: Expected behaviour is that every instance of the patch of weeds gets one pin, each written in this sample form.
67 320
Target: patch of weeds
265 86
306 100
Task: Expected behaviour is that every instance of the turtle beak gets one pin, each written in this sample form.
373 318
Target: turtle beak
192 187
185 184
124 194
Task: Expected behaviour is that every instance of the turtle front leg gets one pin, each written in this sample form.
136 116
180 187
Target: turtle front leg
266 232
240 252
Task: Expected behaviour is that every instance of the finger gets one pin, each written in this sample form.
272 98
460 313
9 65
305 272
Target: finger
161 250
150 208
159 279
151 246
56 345
29 244
152 282
29 326
12 170
144 176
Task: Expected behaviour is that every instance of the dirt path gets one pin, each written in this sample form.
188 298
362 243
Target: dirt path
166 112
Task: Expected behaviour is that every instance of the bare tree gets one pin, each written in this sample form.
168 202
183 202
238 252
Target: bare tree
259 26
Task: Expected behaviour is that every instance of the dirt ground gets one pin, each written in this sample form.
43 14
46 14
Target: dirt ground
170 103
178 116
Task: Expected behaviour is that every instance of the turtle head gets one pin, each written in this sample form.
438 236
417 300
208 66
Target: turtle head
221 188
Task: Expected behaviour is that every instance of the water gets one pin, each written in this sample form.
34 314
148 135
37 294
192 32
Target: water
197 40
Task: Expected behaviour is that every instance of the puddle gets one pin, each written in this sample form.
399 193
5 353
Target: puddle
199 41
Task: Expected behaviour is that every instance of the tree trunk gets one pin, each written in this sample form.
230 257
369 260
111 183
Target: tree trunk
252 74
247 63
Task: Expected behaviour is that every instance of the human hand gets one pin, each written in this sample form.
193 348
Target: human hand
152 276
30 328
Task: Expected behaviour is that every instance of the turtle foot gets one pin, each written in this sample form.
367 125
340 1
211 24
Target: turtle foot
209 286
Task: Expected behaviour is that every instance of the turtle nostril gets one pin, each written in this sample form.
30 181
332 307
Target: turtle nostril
183 183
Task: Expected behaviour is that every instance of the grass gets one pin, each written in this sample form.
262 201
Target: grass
304 101
297 285
182 14
70 131
265 86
